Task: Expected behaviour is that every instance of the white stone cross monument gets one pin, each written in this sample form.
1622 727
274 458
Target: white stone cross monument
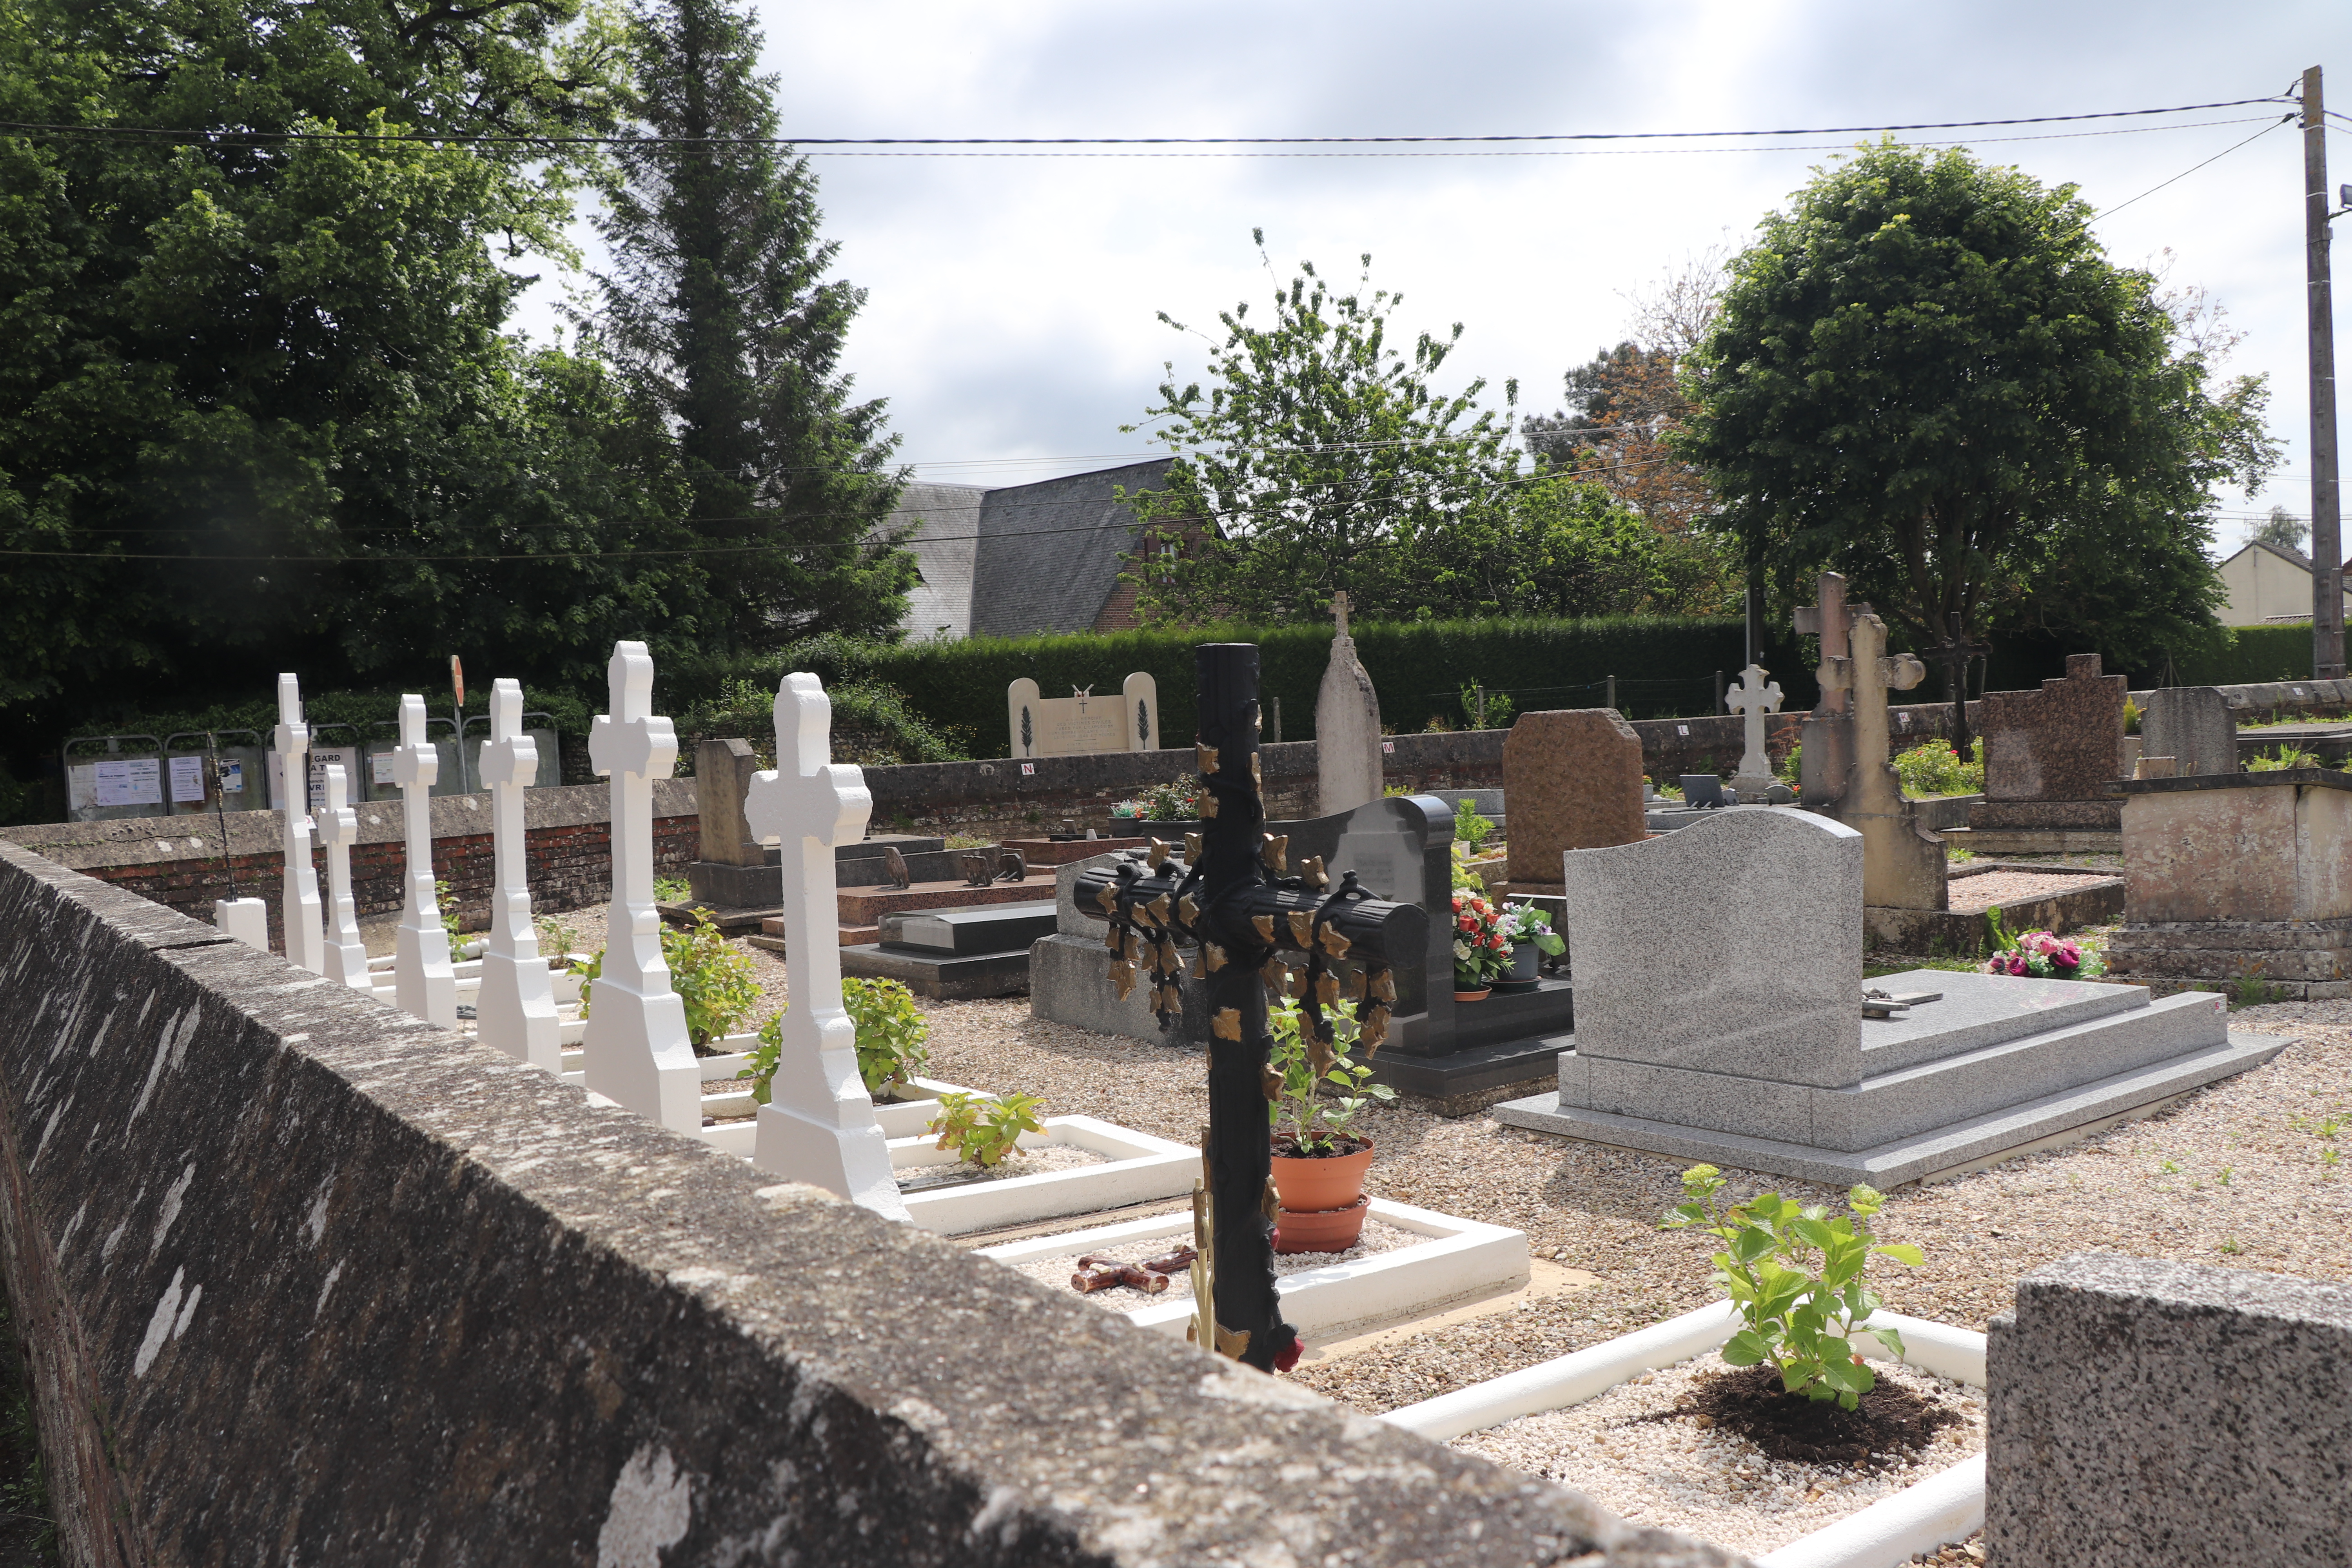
818 1126
422 982
638 1052
515 1010
305 916
339 829
1751 699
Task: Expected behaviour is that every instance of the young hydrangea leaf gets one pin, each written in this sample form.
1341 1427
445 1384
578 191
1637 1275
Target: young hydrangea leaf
1903 1252
1890 1339
1813 1234
1746 1348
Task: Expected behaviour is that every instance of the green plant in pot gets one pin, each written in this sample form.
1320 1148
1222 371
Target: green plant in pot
891 1036
1319 1159
1532 940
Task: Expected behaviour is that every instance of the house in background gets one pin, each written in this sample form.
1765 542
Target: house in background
1044 557
2268 584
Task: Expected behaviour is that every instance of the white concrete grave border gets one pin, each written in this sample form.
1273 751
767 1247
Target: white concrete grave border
1460 1259
1946 1506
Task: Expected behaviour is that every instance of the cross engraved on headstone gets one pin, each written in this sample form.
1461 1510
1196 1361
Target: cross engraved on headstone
339 829
306 942
515 1009
818 1125
1751 699
638 1052
422 982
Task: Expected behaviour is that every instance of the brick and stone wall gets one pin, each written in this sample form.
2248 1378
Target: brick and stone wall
299 1276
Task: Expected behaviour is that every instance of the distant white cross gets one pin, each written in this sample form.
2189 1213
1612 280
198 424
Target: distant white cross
304 932
423 983
339 829
818 1126
515 1010
638 1052
1752 700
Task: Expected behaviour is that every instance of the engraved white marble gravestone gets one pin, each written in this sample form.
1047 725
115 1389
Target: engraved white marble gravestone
1082 722
1751 699
339 829
306 942
818 1126
422 982
515 1009
638 1052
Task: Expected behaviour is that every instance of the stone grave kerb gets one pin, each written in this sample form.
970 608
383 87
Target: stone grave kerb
305 915
423 982
515 1011
339 829
1751 699
638 1051
818 1125
1905 866
2061 742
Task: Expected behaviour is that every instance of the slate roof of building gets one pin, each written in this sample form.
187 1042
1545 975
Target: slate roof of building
1045 558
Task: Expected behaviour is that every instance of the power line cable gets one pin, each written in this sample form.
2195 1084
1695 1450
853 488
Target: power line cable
2194 167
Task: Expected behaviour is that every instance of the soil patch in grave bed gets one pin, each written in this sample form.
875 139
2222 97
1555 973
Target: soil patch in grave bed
1890 1424
1377 1236
1654 1451
1027 1163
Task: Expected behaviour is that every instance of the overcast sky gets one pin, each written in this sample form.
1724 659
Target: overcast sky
1010 321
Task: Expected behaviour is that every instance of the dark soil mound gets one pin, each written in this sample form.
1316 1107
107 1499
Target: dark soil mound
1891 1423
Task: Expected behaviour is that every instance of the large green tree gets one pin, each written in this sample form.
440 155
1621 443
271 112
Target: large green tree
1318 458
1926 375
719 308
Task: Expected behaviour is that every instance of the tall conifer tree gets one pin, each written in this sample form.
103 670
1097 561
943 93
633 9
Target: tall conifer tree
718 307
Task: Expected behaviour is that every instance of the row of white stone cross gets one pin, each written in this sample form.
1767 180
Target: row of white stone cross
819 1124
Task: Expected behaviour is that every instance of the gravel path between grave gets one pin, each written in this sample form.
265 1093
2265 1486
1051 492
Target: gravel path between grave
1986 889
1055 1271
1716 1487
1034 1161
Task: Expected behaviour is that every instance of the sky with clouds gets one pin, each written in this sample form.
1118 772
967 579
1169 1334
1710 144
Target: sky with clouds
1012 314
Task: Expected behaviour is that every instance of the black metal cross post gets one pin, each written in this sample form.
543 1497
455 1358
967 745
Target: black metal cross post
1227 897
1955 653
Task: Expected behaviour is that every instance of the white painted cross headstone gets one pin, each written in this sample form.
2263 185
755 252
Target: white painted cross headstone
422 982
1751 699
818 1126
515 1009
339 829
305 916
638 1052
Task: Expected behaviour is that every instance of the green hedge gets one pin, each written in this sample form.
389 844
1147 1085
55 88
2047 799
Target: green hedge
2241 656
361 709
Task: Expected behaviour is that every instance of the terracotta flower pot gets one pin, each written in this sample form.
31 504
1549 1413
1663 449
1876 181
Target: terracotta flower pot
1320 1230
1329 1181
1478 995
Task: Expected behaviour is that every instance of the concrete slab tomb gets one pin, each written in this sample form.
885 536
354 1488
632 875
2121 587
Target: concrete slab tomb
1719 996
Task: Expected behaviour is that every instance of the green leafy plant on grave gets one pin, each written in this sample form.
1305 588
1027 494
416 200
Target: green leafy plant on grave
1470 829
1324 1089
982 1131
672 890
718 983
1178 800
446 902
556 937
2280 759
1796 1276
892 1036
1792 764
2132 714
1932 767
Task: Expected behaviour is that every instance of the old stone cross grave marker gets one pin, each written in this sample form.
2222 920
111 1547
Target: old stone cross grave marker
1347 770
1902 863
1751 699
515 1009
638 1052
818 1125
422 982
339 829
306 942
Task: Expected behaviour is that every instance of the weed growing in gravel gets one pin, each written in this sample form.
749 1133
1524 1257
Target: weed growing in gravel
2230 1245
2170 1168
2223 1176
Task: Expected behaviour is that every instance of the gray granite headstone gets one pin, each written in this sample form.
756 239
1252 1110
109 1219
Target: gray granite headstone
722 775
1733 946
2192 725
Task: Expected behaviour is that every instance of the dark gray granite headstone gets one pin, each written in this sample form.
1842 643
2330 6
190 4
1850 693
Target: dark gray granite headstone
2141 1411
2192 725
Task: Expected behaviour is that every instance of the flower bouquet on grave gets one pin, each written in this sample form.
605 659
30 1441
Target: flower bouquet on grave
1529 931
1482 952
2043 955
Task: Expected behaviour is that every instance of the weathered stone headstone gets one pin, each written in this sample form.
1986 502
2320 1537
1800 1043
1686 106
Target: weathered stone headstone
818 1125
1752 700
639 1052
2051 755
515 1009
733 871
1082 722
1904 865
423 982
1347 770
1574 779
1826 748
339 829
306 942
2192 725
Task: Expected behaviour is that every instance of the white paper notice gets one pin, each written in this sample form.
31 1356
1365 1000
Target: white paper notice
380 767
130 781
187 780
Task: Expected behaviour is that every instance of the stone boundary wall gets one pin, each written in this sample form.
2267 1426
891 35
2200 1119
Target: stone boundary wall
302 1279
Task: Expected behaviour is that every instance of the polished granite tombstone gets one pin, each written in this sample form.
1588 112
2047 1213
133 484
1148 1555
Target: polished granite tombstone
955 954
1719 983
1400 849
2051 755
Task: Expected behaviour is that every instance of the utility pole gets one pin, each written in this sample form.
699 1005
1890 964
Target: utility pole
2326 530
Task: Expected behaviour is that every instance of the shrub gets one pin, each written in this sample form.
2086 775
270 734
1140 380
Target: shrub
1471 829
892 1033
1932 767
1307 1066
984 1131
2280 759
717 983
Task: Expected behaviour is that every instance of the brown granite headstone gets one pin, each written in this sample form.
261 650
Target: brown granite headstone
2051 755
1573 780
